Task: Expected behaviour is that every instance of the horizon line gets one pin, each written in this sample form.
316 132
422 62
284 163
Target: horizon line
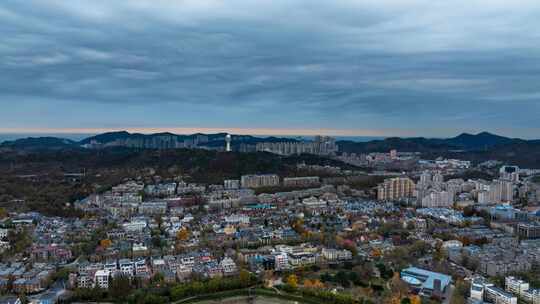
386 132
194 130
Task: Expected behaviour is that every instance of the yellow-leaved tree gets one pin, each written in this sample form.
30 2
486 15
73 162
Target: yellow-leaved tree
292 280
182 234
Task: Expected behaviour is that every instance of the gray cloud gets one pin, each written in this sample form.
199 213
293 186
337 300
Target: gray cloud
421 65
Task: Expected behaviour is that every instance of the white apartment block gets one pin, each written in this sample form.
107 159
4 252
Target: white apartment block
531 296
127 267
498 296
229 266
336 255
229 184
134 226
515 285
140 266
482 290
257 181
522 290
300 181
281 261
438 199
3 233
101 279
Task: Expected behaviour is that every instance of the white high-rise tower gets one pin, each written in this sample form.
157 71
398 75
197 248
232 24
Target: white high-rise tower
228 140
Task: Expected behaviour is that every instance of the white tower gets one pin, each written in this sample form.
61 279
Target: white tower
228 140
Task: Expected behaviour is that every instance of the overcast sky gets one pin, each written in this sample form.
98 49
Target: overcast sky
372 67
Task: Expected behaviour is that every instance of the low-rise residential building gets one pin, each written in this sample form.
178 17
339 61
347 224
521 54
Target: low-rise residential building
229 266
336 255
101 278
494 294
258 181
304 181
483 290
529 230
127 267
515 285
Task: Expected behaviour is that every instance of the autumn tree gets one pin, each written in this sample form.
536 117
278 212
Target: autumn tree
398 288
182 234
315 284
415 299
292 281
298 226
105 243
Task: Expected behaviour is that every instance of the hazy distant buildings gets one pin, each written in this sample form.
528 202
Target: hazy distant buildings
230 184
501 191
395 188
321 145
438 178
154 141
393 154
428 178
257 181
425 178
495 192
304 181
509 173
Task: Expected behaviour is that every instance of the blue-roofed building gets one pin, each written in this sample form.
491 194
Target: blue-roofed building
426 282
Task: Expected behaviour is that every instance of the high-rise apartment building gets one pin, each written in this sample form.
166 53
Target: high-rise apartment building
395 188
425 178
321 145
501 191
438 199
438 178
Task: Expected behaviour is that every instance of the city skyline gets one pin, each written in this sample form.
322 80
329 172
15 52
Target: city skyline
269 151
370 68
355 135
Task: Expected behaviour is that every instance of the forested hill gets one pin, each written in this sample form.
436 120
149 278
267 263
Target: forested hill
144 140
47 180
476 147
463 142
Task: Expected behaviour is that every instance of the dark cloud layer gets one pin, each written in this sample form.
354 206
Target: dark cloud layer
430 67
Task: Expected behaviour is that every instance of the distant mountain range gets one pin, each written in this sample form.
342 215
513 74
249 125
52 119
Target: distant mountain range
463 143
37 143
136 140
